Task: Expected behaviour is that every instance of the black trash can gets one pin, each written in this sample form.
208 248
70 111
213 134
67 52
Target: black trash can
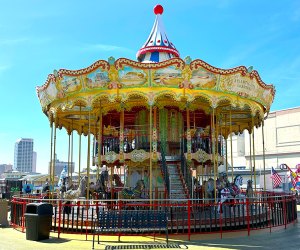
38 218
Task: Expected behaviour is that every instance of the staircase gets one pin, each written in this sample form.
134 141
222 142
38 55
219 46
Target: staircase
177 189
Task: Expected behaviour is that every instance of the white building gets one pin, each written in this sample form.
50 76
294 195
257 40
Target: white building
23 158
281 143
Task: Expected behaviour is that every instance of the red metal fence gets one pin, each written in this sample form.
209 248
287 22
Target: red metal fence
192 216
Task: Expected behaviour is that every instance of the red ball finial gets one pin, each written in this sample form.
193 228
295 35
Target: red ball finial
158 9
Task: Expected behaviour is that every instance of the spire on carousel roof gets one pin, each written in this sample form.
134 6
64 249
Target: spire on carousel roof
157 47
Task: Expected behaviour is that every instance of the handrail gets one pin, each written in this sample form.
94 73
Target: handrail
164 169
185 170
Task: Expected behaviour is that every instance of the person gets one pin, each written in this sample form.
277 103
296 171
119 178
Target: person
27 189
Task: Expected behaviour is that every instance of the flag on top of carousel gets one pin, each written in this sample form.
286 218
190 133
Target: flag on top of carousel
63 175
276 178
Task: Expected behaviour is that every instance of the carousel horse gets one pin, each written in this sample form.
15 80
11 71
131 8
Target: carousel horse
100 186
232 192
79 192
209 187
65 186
249 191
134 193
117 180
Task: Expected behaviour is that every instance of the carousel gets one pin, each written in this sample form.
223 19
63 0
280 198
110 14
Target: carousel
153 115
159 122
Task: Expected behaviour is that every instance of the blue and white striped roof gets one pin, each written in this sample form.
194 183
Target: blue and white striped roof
157 47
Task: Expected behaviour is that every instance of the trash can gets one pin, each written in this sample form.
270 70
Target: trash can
38 218
3 212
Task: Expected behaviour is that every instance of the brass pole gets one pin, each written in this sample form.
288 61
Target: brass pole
226 156
69 153
99 140
71 165
264 158
250 156
214 153
54 159
231 153
253 143
79 153
88 156
51 152
150 141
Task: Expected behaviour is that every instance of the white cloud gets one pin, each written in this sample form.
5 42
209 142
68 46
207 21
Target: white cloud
106 47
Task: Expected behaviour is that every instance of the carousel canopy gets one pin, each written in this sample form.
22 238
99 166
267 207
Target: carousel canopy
74 99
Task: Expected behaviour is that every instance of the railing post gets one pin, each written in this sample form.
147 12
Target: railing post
270 211
59 217
284 212
23 215
248 216
221 232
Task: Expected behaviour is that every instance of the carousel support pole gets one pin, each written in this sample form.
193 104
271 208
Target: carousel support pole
93 149
79 150
231 153
69 146
121 144
88 156
71 165
264 157
188 134
226 156
99 139
225 138
51 152
250 156
54 159
253 143
79 156
150 141
214 153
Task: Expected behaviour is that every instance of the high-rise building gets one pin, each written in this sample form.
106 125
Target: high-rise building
23 155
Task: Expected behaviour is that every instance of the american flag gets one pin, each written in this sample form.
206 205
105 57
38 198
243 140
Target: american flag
276 178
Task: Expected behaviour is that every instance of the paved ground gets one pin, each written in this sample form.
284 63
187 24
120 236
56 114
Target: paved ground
279 238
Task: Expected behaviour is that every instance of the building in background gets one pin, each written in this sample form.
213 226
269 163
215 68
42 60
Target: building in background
5 168
34 155
23 157
59 165
281 142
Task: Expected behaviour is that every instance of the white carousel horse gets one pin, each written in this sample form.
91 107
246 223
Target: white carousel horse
236 188
232 192
79 192
132 194
66 185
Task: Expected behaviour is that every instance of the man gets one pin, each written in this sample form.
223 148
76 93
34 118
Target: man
27 189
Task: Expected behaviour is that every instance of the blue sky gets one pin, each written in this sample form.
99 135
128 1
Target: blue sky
38 36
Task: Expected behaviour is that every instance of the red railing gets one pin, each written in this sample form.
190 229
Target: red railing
191 216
